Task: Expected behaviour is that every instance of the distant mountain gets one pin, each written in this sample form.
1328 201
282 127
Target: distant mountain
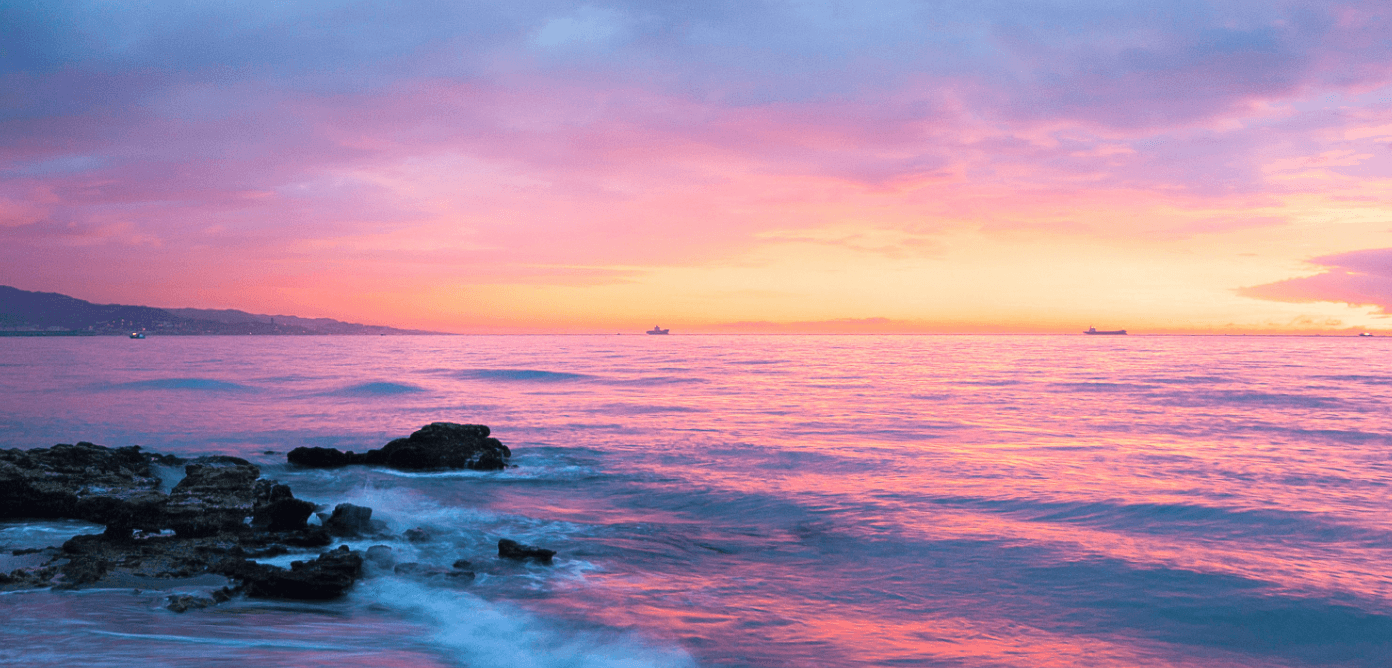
37 313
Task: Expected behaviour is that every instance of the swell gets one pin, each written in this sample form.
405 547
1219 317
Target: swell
1170 519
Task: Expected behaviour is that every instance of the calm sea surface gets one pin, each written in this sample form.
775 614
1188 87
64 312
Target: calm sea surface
769 501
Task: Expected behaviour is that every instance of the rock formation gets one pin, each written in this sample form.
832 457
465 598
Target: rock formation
201 527
436 446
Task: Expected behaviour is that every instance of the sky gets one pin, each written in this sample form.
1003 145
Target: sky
713 166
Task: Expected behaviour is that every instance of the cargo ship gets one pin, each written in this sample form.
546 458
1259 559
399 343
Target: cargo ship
1110 332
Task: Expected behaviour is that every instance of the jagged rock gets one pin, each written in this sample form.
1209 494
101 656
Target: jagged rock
277 509
439 445
208 511
70 481
124 512
511 549
78 572
349 520
462 565
325 577
217 494
417 535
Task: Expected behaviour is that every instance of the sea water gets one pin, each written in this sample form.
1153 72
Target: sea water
767 500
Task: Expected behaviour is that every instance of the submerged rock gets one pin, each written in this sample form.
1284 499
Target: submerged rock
511 549
325 577
380 556
436 446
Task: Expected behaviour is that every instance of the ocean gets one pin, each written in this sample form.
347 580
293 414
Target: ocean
973 501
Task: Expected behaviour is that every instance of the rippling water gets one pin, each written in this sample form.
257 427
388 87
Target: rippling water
771 501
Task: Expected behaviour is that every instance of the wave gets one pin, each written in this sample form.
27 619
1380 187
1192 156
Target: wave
1098 387
204 384
377 389
1207 399
475 632
523 375
1178 518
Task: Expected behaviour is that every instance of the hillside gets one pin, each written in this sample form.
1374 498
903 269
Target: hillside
37 313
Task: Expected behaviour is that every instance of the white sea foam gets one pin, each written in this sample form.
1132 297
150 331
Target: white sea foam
473 632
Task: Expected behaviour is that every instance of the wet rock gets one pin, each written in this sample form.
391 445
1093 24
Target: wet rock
439 445
462 569
126 511
349 520
326 577
214 520
82 481
186 602
417 535
511 549
78 572
277 509
380 556
217 494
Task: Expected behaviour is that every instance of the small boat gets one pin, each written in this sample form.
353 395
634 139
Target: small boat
659 330
137 335
1111 332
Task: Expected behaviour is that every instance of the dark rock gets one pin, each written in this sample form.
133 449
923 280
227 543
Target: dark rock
186 602
439 445
325 577
349 520
318 458
462 565
511 549
277 509
417 535
288 514
208 511
62 481
78 572
217 494
124 512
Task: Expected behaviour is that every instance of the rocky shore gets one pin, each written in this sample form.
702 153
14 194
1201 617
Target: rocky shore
220 518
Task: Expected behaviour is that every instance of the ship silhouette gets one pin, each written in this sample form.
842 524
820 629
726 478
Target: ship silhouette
1111 332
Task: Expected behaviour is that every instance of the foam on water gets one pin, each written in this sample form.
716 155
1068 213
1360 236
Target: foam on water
474 632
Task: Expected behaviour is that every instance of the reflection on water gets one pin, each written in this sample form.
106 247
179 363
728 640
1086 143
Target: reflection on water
956 501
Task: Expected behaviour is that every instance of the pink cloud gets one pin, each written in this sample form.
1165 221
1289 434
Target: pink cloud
1359 278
